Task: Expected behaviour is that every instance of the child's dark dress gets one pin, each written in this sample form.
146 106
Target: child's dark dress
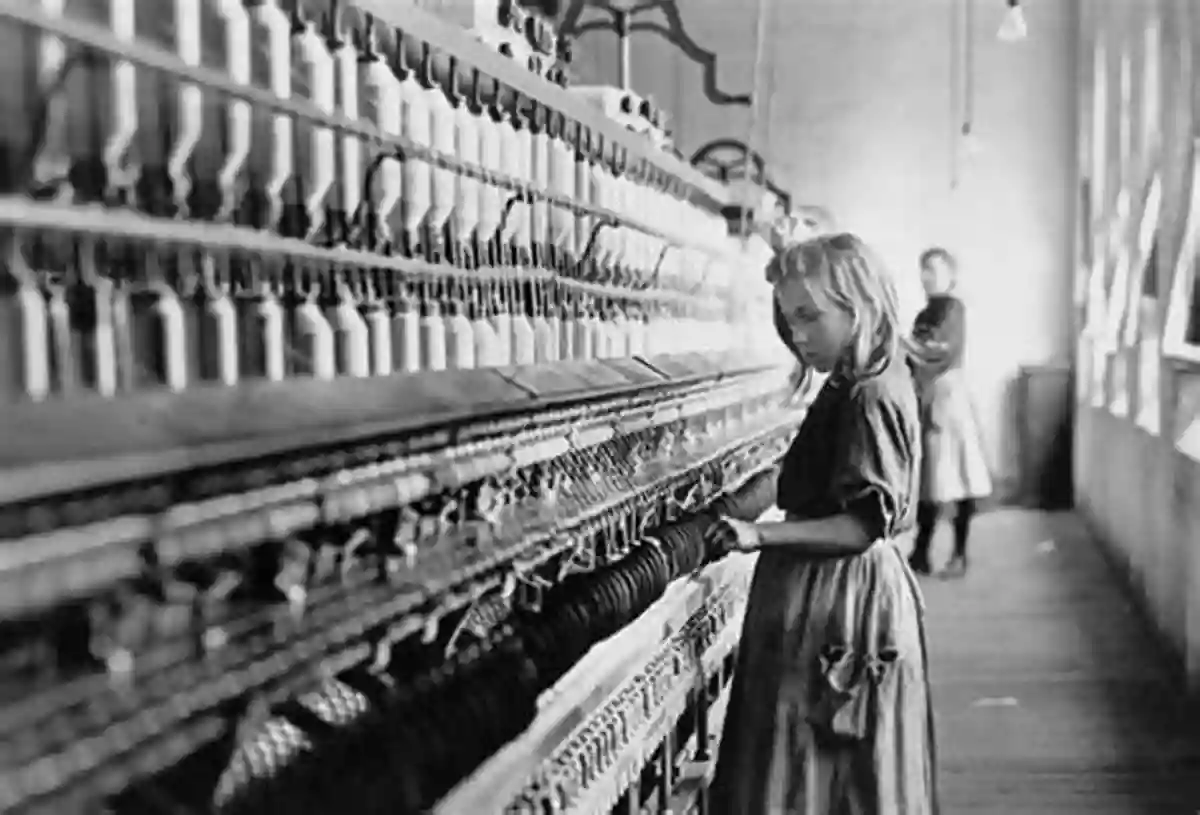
955 465
829 712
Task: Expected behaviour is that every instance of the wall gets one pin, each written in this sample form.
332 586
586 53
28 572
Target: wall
862 120
1137 459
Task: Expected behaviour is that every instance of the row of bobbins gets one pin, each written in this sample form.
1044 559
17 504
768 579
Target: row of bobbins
194 319
266 166
284 170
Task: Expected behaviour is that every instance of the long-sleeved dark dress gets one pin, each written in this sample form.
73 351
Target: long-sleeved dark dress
829 712
942 328
955 465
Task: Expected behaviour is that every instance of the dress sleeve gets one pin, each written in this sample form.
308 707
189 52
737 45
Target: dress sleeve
942 337
875 475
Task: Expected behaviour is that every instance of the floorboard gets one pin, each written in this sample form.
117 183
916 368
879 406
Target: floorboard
1051 696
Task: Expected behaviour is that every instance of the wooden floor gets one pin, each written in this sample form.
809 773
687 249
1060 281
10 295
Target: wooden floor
1051 697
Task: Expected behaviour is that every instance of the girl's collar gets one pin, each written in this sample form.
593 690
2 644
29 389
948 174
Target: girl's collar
841 375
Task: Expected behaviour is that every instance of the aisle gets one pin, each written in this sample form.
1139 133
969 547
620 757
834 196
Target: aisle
1050 697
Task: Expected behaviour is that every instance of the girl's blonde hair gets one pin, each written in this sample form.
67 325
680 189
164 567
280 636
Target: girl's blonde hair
842 269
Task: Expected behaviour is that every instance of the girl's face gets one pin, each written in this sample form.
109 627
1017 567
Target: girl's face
822 331
937 276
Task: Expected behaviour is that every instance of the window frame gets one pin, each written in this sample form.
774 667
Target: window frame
1186 406
1099 116
1142 329
1094 321
1183 279
1117 395
1146 239
1121 255
1126 131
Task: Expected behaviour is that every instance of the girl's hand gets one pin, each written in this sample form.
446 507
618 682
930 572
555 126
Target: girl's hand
732 535
782 232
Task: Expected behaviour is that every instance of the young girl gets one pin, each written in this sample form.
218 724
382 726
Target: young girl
954 470
829 712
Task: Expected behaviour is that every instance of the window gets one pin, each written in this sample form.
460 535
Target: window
1083 370
1187 416
1118 284
1150 270
1181 334
1189 439
1099 125
1085 103
1143 281
1083 276
1092 341
1183 315
1116 297
1151 87
1120 397
1149 368
1192 337
1116 356
1125 112
1094 331
1095 303
1086 248
1099 370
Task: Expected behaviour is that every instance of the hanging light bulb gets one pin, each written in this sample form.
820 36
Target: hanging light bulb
1013 28
969 144
967 148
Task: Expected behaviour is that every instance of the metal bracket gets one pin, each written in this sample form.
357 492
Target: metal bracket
662 256
649 519
430 629
358 221
509 205
482 616
600 223
673 32
396 153
580 560
529 591
41 119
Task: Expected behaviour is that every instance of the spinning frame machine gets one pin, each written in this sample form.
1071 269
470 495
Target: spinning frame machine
366 397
